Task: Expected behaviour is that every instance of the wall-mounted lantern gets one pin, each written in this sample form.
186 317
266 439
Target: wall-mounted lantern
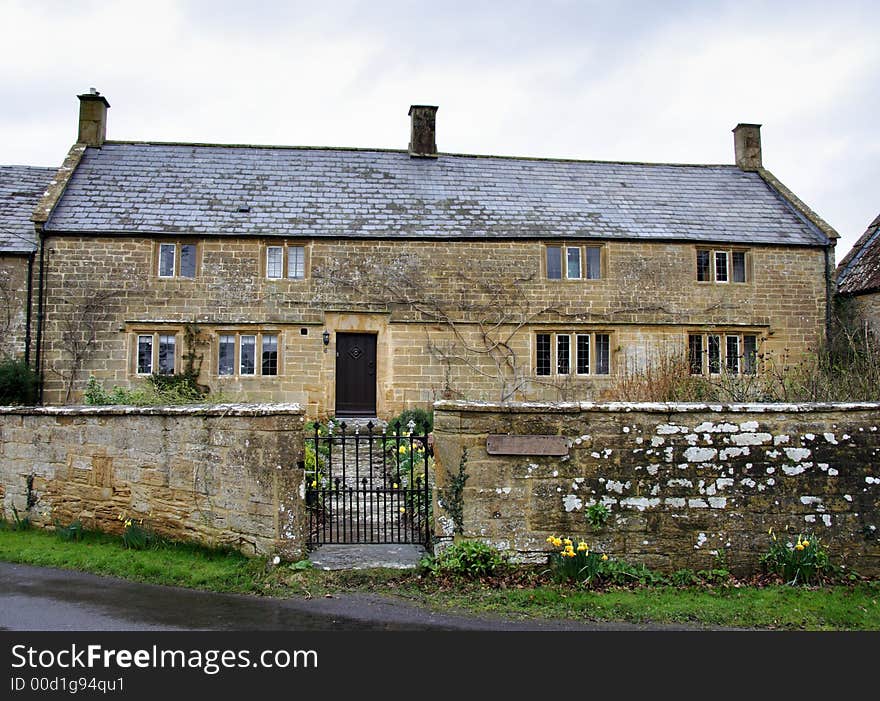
326 337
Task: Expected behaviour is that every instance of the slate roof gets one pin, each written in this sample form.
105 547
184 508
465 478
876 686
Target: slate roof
859 271
148 188
20 189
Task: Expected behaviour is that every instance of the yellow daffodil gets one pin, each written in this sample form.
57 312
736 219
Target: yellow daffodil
582 546
806 543
567 541
128 523
402 510
394 486
557 542
799 546
604 558
314 483
402 449
550 539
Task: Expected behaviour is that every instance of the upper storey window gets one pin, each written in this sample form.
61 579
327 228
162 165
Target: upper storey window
177 260
573 262
286 261
722 266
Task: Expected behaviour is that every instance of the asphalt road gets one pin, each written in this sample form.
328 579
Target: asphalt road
40 599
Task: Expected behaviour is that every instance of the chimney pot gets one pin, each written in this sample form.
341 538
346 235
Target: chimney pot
423 131
92 118
747 146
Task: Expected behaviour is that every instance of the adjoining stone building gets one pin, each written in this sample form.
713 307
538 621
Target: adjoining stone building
21 187
364 281
858 277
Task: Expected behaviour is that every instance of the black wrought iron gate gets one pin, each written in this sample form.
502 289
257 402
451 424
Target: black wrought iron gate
364 486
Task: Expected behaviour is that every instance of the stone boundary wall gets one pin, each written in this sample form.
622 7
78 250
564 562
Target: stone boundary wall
214 474
683 482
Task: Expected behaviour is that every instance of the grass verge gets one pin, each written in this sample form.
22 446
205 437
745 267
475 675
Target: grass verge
838 607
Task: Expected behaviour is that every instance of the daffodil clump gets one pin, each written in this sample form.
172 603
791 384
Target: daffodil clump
134 535
570 562
797 562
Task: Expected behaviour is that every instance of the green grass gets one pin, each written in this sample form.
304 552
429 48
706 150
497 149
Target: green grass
838 607
173 564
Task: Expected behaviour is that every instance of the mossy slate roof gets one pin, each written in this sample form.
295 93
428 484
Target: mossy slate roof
20 189
859 271
179 189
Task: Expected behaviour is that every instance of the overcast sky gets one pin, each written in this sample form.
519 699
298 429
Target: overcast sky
633 81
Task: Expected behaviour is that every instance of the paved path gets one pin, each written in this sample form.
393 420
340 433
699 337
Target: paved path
361 557
38 598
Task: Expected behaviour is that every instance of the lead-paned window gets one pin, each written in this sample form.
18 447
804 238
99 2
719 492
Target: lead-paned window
583 354
167 347
554 262
167 256
724 266
739 266
594 263
603 354
704 262
563 354
573 263
695 354
720 266
750 354
543 360
269 355
226 360
731 355
296 262
592 354
274 262
714 354
188 260
145 354
247 355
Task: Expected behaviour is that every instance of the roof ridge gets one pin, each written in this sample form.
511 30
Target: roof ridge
288 147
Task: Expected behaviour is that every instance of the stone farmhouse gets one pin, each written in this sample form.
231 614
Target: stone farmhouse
359 282
21 187
858 277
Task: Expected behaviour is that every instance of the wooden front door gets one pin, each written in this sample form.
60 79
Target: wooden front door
355 374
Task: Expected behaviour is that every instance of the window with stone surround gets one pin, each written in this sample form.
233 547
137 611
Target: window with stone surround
176 260
578 352
730 352
723 265
155 353
572 262
247 354
286 261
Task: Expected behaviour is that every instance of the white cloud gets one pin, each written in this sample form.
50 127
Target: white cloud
617 81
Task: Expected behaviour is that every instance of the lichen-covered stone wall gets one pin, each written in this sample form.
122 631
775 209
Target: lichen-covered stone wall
218 475
685 484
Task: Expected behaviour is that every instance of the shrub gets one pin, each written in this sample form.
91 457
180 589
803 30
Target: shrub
18 383
468 558
422 419
157 390
597 515
797 563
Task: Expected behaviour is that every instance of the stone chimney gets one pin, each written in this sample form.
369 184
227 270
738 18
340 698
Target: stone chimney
423 131
92 118
747 146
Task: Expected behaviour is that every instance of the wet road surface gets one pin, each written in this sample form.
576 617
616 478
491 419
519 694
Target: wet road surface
38 598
